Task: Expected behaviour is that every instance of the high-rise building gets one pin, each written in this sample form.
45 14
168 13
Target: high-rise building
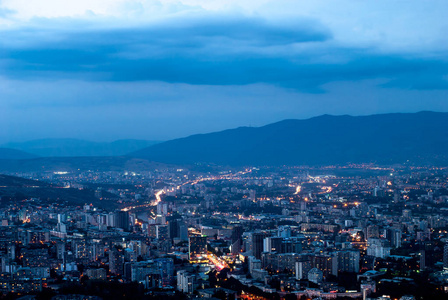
272 244
303 266
162 209
60 250
62 218
174 228
183 232
445 257
427 254
293 245
110 219
348 261
197 246
139 270
237 239
287 262
79 248
162 232
257 243
11 251
237 233
254 264
422 255
116 261
154 279
122 220
373 231
322 262
394 236
186 282
284 231
166 268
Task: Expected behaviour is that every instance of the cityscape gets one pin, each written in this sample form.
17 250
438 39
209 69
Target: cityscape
223 150
352 232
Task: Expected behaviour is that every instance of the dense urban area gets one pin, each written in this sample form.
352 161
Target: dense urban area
352 232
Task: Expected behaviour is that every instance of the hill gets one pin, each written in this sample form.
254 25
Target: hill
325 140
19 182
7 153
77 148
15 189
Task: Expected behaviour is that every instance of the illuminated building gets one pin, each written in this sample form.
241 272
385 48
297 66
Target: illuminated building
116 261
197 246
348 261
186 282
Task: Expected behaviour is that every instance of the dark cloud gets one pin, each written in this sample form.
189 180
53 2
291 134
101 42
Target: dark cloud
214 50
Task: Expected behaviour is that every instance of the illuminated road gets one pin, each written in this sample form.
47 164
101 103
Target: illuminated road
158 198
217 262
298 189
159 193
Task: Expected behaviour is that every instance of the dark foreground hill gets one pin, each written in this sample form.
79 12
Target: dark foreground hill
78 148
7 153
16 189
325 140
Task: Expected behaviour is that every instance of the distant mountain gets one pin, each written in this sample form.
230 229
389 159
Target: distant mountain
325 140
77 148
7 153
73 164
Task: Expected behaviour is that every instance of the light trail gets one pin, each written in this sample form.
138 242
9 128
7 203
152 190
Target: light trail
158 198
159 193
217 262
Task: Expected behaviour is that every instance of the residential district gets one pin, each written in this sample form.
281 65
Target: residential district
355 232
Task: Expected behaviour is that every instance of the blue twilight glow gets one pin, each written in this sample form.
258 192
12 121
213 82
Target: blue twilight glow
109 69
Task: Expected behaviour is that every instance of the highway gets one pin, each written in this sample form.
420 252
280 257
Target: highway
158 194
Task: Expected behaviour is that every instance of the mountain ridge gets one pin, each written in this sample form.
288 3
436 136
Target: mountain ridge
69 147
9 153
326 139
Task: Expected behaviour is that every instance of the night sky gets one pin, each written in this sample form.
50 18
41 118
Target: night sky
112 69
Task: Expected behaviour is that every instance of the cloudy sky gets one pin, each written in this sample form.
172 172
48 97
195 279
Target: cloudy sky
112 69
